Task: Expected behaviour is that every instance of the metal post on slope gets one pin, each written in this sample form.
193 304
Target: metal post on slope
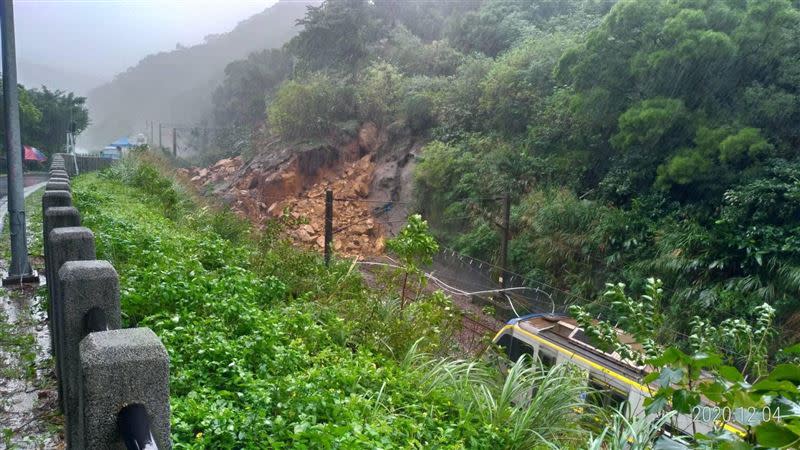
504 240
328 225
20 270
175 142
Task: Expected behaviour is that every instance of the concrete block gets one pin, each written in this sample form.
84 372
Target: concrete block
55 217
55 198
120 368
57 184
51 199
85 286
66 244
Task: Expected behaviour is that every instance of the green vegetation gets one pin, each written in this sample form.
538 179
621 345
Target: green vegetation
46 116
636 139
653 143
270 348
685 382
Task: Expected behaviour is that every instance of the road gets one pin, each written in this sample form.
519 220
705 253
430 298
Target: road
29 179
32 182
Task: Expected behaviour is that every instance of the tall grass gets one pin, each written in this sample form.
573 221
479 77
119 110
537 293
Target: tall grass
536 408
636 433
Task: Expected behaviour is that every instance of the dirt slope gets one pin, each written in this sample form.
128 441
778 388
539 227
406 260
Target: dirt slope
370 180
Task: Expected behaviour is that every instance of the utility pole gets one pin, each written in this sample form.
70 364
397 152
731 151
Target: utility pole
20 270
152 134
328 225
159 136
175 142
504 240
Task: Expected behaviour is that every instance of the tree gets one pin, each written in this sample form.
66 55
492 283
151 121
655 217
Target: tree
309 108
415 246
335 36
241 99
46 116
30 115
379 94
62 112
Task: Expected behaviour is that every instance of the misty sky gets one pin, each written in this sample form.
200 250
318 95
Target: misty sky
104 37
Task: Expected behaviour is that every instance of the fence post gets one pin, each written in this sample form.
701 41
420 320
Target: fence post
328 225
504 240
120 368
88 289
55 217
57 185
66 244
51 199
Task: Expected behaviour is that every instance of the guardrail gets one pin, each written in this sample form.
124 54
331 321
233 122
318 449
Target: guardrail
77 164
113 383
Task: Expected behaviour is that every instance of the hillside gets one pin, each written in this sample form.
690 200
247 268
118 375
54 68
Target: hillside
176 86
633 142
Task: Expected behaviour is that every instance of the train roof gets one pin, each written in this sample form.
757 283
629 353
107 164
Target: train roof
564 331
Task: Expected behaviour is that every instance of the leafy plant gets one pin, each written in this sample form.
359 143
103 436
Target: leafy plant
415 246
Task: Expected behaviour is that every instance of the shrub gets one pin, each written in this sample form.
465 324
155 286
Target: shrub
379 94
309 108
418 112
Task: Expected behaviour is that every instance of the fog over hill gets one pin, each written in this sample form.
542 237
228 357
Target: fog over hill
176 86
35 75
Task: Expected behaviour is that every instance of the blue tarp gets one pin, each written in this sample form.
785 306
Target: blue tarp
122 142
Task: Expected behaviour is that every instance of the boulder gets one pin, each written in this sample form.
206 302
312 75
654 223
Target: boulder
368 137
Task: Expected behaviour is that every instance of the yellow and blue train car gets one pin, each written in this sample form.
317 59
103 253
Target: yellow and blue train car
613 381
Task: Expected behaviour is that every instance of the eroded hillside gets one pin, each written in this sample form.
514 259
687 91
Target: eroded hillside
370 178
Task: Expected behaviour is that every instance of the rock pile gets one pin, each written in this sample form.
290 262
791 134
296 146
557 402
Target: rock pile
214 173
356 232
263 195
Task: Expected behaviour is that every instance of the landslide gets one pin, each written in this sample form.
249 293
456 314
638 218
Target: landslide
369 174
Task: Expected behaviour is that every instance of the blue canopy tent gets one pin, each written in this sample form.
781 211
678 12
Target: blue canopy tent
122 143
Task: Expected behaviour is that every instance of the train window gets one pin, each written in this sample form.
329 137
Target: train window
547 359
519 348
606 396
514 347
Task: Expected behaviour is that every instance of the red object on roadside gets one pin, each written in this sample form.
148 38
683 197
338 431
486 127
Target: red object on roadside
33 154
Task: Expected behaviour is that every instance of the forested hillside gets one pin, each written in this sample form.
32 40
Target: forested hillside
175 86
635 139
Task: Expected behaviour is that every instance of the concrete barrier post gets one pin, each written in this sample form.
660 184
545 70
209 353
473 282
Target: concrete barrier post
121 368
57 184
66 244
55 217
51 199
86 287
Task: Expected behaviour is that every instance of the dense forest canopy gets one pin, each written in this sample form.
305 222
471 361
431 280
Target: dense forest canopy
635 138
47 116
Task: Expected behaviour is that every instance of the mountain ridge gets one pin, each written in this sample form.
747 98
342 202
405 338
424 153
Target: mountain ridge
175 87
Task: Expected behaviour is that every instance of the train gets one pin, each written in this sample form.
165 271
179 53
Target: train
612 380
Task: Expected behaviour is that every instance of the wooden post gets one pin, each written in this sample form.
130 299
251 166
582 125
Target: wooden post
504 240
328 225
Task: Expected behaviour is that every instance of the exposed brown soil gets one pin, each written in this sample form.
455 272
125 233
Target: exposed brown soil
293 179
